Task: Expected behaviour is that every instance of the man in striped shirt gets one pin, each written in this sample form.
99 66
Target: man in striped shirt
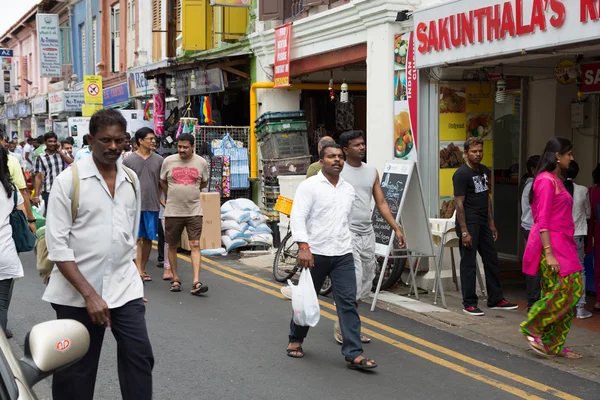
48 166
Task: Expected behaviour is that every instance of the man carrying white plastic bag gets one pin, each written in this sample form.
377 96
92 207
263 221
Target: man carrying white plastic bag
304 301
320 221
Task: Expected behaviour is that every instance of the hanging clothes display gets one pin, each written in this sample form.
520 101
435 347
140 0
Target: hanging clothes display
239 164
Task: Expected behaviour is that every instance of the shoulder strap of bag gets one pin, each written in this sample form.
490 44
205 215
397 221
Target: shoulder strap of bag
75 192
130 173
15 197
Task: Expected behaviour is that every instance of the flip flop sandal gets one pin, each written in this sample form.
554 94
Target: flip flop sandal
538 347
167 276
365 340
198 288
567 353
146 277
175 286
295 353
362 364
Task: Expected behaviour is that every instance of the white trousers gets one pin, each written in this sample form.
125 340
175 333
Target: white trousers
365 262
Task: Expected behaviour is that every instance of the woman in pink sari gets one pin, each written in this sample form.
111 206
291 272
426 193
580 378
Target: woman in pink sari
551 249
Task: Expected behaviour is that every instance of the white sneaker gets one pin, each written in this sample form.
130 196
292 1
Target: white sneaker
582 313
286 291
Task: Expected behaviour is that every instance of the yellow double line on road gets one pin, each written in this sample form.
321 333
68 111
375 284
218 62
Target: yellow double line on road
253 281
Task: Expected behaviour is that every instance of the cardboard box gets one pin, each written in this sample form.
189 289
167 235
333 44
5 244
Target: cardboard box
211 224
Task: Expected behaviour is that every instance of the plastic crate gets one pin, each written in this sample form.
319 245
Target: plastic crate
284 145
278 116
282 126
286 166
284 205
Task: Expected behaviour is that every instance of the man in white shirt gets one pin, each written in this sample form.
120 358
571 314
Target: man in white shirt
582 211
320 218
95 280
28 153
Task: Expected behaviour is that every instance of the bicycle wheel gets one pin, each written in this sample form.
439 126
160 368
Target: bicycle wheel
392 272
284 264
326 288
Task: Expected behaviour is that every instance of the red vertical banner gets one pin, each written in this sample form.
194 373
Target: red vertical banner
412 89
281 68
406 98
159 111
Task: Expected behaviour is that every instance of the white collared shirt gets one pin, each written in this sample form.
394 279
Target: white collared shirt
582 210
321 215
101 241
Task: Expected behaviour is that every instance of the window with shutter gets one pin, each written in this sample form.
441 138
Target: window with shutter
130 32
235 23
115 37
270 10
156 27
178 15
197 25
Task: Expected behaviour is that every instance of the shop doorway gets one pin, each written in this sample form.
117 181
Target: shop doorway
506 196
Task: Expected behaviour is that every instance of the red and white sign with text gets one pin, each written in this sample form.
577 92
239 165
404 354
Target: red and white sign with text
406 98
590 78
465 30
281 68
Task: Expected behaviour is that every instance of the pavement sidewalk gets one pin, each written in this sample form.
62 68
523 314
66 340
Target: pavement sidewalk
497 329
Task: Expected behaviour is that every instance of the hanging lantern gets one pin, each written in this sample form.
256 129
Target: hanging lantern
331 90
173 87
344 93
194 85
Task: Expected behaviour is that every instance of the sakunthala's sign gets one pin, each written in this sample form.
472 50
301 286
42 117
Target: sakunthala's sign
458 31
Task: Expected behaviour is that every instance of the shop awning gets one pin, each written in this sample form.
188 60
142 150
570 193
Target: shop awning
460 31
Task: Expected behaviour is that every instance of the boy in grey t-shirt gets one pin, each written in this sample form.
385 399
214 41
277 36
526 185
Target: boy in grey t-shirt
146 164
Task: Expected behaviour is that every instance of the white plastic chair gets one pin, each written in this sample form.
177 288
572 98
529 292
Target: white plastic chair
444 235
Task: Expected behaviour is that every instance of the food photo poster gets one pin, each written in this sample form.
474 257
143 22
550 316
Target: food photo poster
465 110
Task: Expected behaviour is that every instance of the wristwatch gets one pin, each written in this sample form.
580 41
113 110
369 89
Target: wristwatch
32 220
465 234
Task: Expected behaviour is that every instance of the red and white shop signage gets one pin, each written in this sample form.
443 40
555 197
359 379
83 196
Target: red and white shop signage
590 78
457 31
406 99
281 68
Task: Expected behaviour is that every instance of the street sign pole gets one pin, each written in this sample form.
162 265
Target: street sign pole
90 68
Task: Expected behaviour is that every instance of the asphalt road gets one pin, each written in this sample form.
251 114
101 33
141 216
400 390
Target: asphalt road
230 344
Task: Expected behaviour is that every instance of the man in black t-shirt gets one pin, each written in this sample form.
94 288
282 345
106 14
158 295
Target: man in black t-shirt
476 230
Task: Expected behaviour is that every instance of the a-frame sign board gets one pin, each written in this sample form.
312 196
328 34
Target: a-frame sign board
402 189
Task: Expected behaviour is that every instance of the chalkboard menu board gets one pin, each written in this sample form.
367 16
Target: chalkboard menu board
392 185
215 182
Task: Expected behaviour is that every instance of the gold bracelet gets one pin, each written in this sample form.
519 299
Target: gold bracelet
547 247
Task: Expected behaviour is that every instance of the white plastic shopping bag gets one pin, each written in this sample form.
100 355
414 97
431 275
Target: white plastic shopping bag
304 301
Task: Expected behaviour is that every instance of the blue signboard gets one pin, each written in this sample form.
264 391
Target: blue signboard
6 53
115 95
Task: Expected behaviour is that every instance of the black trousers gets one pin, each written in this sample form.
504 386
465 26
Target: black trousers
45 196
342 272
134 354
532 283
483 242
161 243
6 288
